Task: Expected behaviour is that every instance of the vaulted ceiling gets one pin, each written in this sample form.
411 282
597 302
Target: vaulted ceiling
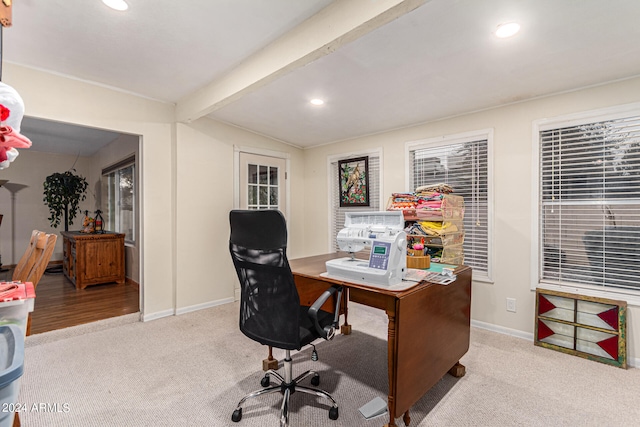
377 64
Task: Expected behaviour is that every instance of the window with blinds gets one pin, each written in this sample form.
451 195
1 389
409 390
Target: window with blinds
119 197
463 165
338 213
589 204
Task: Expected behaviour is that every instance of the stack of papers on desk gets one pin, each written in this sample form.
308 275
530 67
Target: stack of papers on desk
415 275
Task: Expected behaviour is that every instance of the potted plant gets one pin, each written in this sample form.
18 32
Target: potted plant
62 194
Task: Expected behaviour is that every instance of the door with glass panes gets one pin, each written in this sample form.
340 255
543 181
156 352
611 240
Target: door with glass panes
262 182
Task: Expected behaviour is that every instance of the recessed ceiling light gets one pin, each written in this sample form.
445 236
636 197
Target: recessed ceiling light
317 101
507 30
116 4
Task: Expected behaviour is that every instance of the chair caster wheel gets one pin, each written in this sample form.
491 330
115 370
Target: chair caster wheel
264 382
315 381
237 415
333 413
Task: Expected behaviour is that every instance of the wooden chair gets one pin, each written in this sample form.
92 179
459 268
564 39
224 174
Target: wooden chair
33 263
31 267
19 269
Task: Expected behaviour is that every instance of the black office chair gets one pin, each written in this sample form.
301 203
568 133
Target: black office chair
270 310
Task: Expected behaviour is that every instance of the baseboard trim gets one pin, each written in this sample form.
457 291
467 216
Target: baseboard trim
502 330
203 306
49 264
157 315
132 282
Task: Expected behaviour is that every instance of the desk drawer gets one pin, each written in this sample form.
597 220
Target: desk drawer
372 299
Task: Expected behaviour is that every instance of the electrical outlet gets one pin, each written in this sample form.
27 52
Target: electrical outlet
511 304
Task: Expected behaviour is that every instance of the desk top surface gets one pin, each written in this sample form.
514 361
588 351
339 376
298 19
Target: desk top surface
313 266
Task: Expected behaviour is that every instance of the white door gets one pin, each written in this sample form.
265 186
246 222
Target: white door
262 182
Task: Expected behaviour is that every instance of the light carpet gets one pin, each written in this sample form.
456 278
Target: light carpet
191 370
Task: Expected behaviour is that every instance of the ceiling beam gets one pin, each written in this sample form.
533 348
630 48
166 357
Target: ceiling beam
336 25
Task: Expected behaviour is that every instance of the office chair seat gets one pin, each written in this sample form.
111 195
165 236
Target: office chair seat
307 328
270 310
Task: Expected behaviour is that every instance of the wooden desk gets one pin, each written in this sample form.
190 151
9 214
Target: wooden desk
429 328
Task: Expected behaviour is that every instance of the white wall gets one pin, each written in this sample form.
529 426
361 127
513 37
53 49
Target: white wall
512 194
57 98
187 185
187 188
205 169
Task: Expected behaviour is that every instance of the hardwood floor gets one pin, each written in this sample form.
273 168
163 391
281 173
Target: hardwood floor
59 305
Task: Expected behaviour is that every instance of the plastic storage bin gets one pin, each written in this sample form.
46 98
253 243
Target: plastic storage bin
16 304
11 369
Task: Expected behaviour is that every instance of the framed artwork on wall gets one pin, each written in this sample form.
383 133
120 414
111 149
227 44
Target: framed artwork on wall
354 181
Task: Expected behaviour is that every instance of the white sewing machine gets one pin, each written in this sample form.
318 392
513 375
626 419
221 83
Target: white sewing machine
384 233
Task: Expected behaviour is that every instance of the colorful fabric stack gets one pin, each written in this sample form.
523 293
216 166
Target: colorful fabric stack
432 228
434 217
429 201
402 201
434 188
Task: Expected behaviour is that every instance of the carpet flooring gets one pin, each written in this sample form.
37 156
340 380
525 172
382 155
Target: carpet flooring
191 370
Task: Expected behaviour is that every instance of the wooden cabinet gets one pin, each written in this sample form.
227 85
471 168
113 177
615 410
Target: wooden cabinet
90 259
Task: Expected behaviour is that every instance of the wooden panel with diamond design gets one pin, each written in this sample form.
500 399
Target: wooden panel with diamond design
589 327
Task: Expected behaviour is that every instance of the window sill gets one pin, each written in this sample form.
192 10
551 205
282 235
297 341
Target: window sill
482 279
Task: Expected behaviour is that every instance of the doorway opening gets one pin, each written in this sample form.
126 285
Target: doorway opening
58 147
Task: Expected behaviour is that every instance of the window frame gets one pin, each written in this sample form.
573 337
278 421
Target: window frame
446 140
129 161
237 149
582 118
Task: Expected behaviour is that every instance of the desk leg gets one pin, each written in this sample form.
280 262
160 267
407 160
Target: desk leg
270 362
346 328
458 370
406 418
391 356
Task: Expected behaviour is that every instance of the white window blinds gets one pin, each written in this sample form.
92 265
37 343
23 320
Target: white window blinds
119 197
589 206
337 212
464 166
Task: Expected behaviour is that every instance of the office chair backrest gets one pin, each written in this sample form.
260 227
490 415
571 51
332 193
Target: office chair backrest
269 302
